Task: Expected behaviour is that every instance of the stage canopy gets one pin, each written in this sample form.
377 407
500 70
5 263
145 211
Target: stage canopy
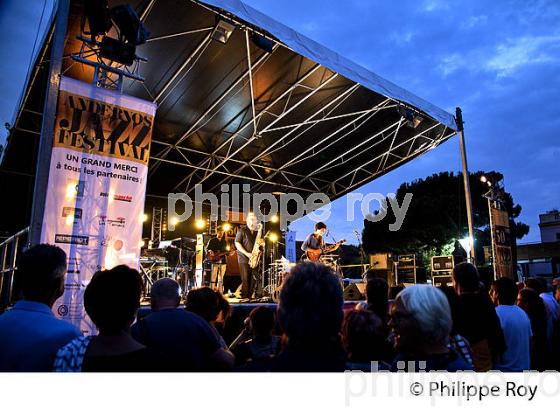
269 107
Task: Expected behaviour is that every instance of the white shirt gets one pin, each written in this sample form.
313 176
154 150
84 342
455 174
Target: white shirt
517 333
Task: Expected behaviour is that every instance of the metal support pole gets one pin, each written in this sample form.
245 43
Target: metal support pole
47 127
468 201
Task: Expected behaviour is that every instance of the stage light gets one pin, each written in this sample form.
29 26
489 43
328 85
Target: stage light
69 219
467 244
274 219
144 217
200 223
483 178
273 237
71 190
262 42
97 14
226 227
223 31
228 248
412 119
129 24
115 50
173 221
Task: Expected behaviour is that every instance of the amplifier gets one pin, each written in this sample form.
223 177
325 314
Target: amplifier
380 261
407 261
443 263
442 280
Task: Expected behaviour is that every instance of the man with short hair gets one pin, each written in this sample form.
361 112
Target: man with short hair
30 335
183 335
481 326
515 325
310 315
244 243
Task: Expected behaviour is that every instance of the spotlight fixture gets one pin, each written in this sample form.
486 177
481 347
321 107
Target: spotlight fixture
223 31
226 227
412 119
273 237
274 218
262 42
131 28
200 223
97 15
115 50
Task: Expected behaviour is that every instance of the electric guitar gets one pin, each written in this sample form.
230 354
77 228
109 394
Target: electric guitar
215 256
315 254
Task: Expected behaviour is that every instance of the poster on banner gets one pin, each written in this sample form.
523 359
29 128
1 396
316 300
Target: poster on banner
501 241
97 186
291 246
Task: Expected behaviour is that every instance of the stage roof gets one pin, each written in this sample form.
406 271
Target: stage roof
297 118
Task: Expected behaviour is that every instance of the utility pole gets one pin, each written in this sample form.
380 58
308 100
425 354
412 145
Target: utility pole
468 201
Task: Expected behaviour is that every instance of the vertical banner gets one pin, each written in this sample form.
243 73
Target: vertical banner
501 242
199 259
97 186
291 246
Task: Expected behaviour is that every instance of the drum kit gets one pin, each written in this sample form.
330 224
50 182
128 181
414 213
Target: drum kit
279 269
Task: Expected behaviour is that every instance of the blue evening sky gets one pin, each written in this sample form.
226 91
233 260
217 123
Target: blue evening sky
498 60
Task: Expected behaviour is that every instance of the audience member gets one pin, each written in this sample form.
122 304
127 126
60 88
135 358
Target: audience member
111 300
421 322
310 315
30 335
541 287
182 334
256 343
534 307
456 341
211 306
515 325
364 339
377 296
481 326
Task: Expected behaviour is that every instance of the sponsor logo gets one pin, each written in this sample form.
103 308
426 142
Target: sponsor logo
124 198
116 197
62 310
71 239
76 213
118 222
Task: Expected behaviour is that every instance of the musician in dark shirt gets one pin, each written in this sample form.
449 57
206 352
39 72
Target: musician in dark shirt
217 246
315 240
244 243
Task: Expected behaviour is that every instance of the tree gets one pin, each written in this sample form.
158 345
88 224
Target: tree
437 217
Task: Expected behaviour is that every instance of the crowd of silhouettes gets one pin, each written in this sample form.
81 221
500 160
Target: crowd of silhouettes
506 326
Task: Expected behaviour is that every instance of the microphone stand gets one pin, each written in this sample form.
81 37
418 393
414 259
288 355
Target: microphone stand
362 254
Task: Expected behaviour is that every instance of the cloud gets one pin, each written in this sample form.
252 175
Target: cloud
522 51
451 63
474 21
434 5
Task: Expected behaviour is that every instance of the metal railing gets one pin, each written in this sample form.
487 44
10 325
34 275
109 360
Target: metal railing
9 250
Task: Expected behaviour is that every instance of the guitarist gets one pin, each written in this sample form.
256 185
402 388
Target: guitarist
244 243
217 251
315 243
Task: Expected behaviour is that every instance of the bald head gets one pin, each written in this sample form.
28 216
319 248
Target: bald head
165 294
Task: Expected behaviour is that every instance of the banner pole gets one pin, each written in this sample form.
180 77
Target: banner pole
47 127
468 200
